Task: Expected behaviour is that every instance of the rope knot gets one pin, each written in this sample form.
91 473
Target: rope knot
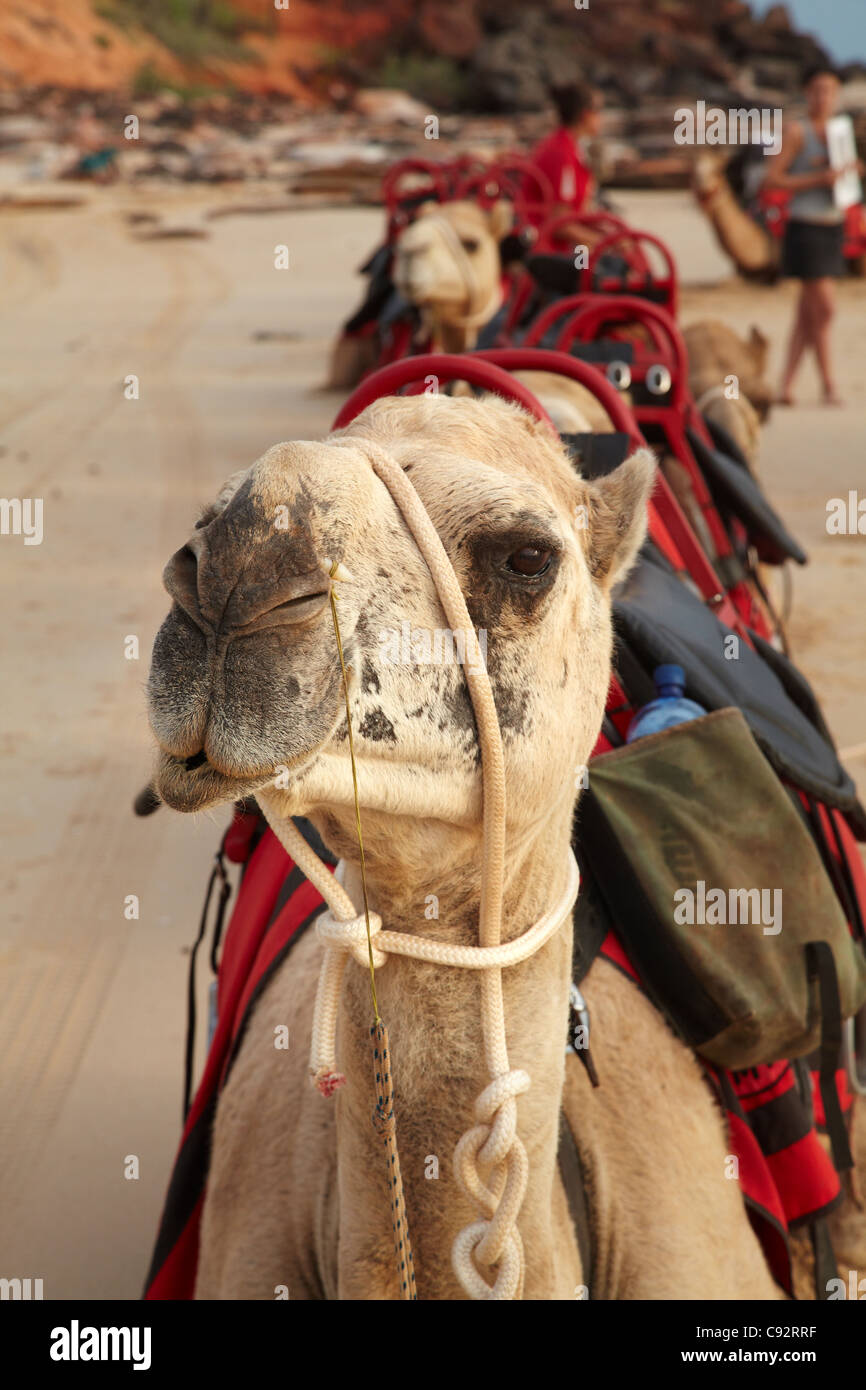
496 1109
508 1283
493 1144
384 1122
350 934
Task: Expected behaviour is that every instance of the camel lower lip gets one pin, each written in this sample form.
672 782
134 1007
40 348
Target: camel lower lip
201 763
192 789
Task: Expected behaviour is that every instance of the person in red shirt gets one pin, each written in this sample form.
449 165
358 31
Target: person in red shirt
561 156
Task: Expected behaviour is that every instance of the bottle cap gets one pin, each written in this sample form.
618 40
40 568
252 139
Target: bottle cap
669 675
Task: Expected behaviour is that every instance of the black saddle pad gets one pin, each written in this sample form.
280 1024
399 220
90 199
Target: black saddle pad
602 350
644 289
736 493
379 290
726 443
558 274
596 455
488 334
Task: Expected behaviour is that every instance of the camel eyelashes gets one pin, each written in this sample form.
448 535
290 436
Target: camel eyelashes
470 244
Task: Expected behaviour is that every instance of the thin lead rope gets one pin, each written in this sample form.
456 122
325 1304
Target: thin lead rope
385 1123
333 597
383 1116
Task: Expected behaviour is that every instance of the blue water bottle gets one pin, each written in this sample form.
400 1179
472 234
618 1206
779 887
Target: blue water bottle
668 708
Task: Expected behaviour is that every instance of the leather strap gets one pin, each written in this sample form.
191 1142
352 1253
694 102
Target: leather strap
822 965
825 1260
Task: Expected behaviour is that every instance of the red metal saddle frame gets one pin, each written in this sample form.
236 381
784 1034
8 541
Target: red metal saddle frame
588 315
631 243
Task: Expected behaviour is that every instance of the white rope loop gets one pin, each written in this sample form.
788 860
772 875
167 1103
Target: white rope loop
493 1143
712 393
509 1278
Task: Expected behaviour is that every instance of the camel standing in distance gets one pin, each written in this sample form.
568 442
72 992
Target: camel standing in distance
447 264
245 672
753 251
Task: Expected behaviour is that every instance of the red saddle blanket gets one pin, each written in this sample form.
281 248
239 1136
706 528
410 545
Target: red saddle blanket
784 1173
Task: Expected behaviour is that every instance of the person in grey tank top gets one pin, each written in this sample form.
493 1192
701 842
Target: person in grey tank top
812 249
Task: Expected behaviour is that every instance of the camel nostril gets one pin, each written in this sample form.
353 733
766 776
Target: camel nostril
296 609
186 563
180 578
183 566
303 599
298 600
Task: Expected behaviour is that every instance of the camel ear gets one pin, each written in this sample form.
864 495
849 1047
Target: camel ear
763 403
500 218
617 519
760 346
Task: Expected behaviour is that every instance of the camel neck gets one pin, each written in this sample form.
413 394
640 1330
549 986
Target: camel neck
431 884
454 338
437 1054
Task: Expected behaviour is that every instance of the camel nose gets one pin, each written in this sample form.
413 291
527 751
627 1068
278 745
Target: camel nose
231 603
411 267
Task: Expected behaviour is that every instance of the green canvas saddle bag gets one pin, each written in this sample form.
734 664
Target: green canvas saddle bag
709 870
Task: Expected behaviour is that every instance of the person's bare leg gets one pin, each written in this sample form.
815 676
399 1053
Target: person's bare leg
799 341
823 311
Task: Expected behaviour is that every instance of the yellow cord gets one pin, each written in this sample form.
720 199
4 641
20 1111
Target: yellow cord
333 597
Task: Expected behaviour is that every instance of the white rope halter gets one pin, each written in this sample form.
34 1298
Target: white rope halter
712 393
493 1141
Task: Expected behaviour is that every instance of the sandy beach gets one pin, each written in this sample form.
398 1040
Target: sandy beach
229 353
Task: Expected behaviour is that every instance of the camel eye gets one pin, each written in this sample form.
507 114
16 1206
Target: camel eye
529 561
470 244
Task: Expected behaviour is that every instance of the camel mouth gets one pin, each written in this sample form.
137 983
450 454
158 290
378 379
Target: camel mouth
423 290
194 783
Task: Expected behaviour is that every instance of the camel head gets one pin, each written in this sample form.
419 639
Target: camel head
717 355
447 262
245 687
